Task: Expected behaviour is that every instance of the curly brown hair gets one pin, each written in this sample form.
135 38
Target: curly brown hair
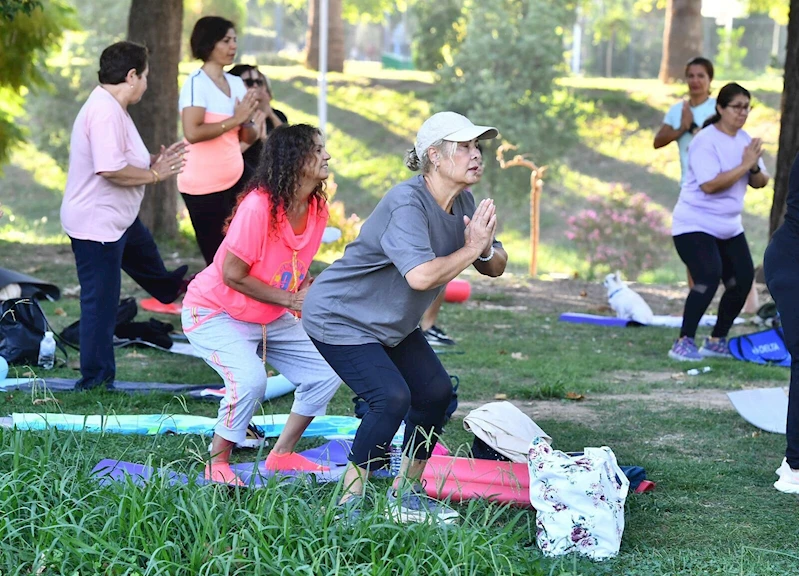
287 150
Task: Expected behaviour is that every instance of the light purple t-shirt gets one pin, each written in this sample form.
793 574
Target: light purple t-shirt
104 139
712 152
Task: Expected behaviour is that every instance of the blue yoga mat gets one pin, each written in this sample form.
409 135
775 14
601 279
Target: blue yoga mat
577 318
152 424
657 320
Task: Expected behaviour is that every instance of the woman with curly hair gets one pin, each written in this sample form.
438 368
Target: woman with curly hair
243 310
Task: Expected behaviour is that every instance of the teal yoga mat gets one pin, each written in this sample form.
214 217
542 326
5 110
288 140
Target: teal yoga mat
151 424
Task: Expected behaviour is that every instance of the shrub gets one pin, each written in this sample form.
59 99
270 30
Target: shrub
349 225
621 232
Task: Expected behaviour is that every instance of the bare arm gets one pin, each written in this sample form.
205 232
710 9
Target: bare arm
723 181
494 267
169 162
195 129
479 235
759 180
236 275
666 135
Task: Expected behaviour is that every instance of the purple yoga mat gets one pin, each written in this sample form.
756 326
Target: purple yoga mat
577 318
332 454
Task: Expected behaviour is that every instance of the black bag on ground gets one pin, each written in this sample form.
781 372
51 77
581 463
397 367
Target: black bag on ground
126 312
22 327
153 331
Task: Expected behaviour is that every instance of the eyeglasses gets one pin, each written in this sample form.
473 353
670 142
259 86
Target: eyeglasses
741 108
250 82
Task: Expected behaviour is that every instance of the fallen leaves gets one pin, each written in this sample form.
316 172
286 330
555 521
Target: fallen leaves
47 400
574 396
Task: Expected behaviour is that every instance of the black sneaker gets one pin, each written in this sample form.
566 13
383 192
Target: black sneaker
254 438
435 336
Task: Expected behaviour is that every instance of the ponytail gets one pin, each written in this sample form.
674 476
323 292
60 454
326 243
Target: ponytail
712 120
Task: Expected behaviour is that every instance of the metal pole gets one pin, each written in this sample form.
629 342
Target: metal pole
322 99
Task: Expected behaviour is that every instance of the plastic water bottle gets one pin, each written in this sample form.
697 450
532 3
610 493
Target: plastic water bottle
395 451
47 351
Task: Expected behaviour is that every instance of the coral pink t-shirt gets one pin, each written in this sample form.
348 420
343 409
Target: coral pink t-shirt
104 139
276 255
217 164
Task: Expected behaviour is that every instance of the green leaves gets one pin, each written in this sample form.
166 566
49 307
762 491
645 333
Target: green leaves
503 74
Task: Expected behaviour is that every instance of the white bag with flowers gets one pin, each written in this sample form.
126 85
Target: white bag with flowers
579 500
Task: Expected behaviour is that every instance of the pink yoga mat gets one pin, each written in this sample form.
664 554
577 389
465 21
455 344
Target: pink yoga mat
467 478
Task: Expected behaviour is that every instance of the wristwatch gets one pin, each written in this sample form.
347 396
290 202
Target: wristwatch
755 170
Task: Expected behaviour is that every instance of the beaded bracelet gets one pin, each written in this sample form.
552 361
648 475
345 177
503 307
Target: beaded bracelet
489 257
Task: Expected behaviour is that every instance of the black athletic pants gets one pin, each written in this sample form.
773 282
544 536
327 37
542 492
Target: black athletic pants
781 266
407 379
208 213
710 260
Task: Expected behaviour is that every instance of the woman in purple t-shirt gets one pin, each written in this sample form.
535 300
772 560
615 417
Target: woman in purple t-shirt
722 161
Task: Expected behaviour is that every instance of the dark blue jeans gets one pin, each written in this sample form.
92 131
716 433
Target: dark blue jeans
99 273
407 379
781 267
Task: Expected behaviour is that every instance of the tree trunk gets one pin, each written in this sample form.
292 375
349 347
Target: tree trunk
789 123
335 37
609 56
682 37
157 24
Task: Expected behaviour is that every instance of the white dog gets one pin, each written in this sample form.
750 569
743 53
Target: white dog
625 302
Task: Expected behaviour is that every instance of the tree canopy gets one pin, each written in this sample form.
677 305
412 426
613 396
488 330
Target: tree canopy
27 34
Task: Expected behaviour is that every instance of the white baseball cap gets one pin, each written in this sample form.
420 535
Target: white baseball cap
452 127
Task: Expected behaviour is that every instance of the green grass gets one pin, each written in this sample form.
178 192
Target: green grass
714 511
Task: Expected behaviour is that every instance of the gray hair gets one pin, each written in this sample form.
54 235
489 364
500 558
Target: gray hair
413 162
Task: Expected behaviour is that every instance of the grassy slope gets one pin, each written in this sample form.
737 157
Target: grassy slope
714 511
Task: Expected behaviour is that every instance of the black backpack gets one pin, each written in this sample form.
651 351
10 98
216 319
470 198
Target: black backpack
22 327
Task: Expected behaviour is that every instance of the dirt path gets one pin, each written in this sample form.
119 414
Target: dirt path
521 293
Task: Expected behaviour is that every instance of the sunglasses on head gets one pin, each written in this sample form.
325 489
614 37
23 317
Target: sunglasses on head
250 82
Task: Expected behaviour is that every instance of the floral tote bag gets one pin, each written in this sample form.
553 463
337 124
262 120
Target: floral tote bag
579 500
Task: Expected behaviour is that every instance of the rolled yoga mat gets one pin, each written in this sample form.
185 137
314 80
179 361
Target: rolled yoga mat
68 385
152 424
468 478
276 386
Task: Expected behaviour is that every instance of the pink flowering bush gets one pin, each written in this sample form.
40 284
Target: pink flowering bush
621 232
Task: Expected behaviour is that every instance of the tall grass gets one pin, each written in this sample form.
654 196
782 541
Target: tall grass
58 519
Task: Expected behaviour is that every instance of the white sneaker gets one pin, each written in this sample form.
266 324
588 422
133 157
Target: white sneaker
789 479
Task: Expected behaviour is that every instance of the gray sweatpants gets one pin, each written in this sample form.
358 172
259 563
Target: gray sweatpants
234 349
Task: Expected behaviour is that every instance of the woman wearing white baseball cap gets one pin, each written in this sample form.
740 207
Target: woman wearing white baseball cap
363 312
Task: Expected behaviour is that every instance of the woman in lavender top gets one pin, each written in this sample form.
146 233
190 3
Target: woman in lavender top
722 161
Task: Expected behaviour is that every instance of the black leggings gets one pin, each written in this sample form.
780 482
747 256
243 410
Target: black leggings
781 267
208 213
710 260
407 379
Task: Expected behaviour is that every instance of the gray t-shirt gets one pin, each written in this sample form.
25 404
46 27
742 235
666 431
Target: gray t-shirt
363 297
